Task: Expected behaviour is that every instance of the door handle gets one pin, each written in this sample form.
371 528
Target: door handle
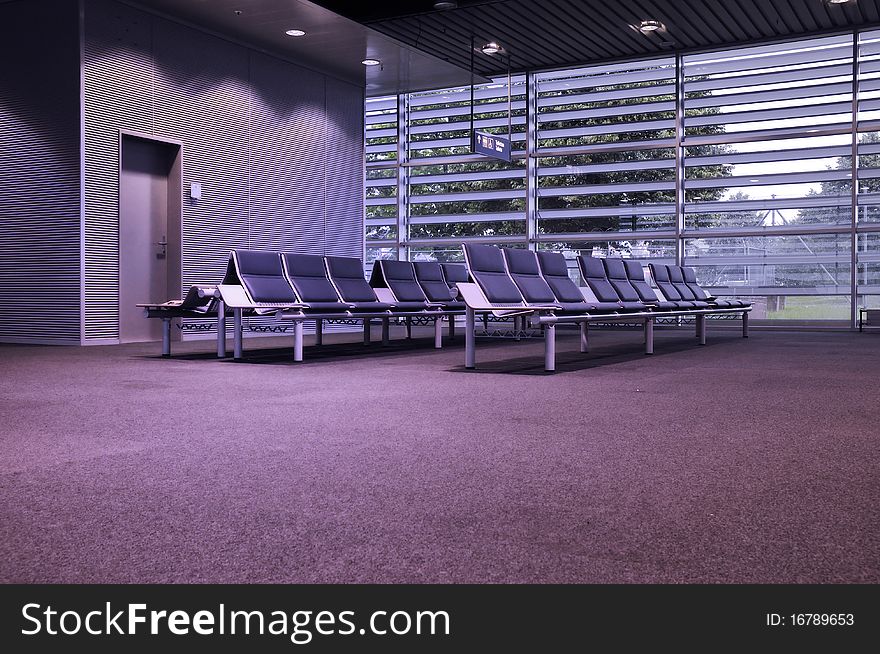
163 244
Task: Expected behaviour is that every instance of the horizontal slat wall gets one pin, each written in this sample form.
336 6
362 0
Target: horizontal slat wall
604 136
202 99
286 138
344 187
450 191
118 93
39 160
254 131
382 178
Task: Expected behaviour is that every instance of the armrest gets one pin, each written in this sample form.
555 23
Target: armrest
234 296
385 295
475 299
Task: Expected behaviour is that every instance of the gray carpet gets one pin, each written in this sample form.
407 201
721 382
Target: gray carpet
742 461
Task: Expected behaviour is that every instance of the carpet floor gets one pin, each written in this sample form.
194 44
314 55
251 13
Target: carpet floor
742 461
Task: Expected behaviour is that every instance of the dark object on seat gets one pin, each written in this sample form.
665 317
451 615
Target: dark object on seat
526 274
308 276
690 278
347 275
429 275
593 272
262 275
486 266
635 273
660 273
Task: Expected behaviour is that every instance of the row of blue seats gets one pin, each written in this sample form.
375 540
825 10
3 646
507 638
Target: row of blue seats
521 283
301 287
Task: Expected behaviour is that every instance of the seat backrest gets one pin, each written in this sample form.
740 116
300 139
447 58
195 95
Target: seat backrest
660 273
554 268
593 272
401 279
486 266
455 273
525 273
347 275
690 278
635 273
308 276
429 275
676 277
616 272
262 275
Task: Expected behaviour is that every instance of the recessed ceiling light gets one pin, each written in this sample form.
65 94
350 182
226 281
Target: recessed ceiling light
445 5
647 26
491 48
839 2
295 33
371 62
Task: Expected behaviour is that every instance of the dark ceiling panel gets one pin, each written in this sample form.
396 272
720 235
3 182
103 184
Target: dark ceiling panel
538 34
773 20
578 22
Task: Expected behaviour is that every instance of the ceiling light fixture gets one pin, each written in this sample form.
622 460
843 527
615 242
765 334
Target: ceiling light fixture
491 48
839 2
647 26
371 62
445 5
295 33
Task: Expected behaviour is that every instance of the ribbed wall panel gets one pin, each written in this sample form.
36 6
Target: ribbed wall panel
287 154
344 218
256 134
39 160
202 98
118 95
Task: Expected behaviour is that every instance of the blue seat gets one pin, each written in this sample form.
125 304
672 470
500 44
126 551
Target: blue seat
487 267
676 278
526 274
308 276
690 278
262 276
455 273
347 275
635 273
593 272
615 271
660 273
429 275
554 269
400 278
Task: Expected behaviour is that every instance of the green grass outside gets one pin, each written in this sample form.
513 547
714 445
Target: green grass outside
828 307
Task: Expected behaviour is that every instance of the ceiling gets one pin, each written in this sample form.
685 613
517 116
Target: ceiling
421 47
333 43
557 33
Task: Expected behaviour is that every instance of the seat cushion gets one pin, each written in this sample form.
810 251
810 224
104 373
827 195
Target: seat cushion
347 274
593 271
555 271
489 271
400 277
455 273
262 275
308 275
